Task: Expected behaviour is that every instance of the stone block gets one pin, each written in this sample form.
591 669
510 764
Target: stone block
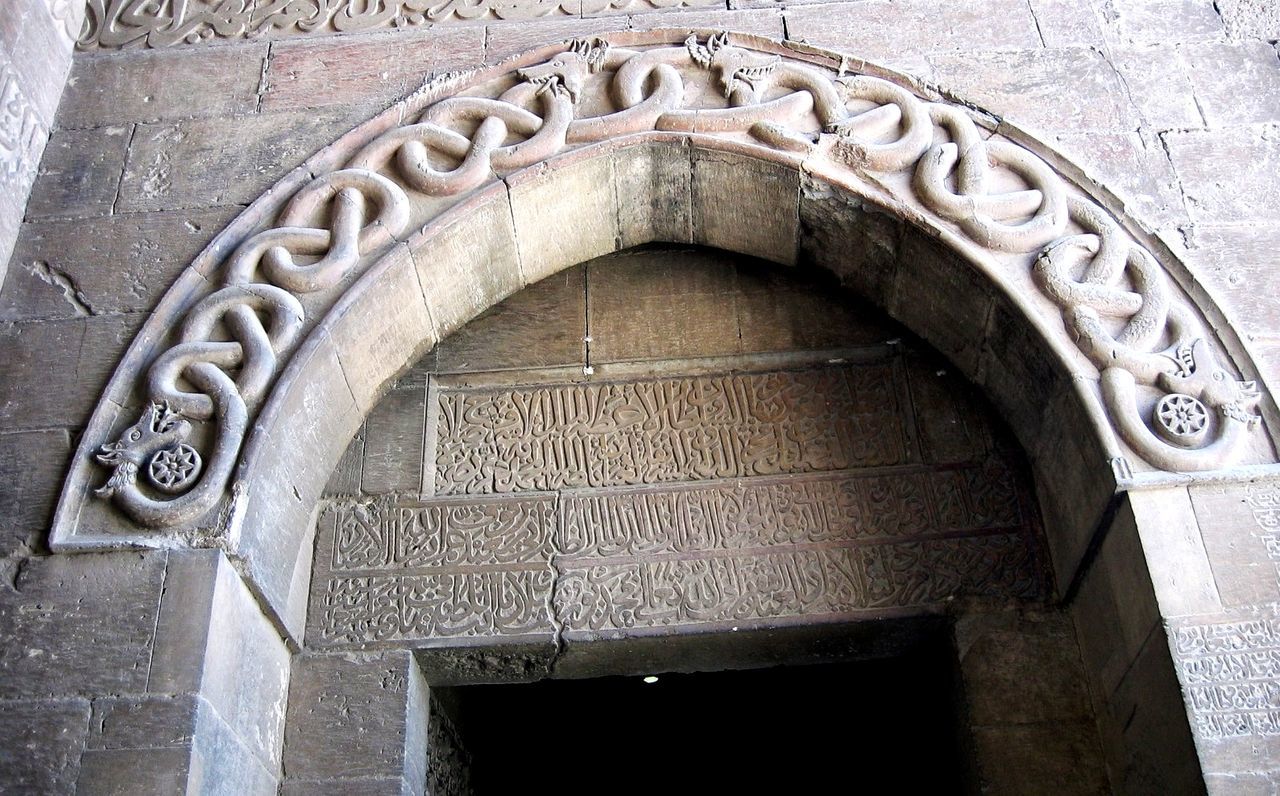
1061 757
381 326
300 438
943 299
885 31
1074 483
1227 174
114 264
350 715
1235 262
80 173
859 245
504 41
222 763
765 22
1174 551
1235 83
152 85
143 722
1240 524
648 305
542 325
42 745
780 310
564 216
1066 23
367 786
222 161
746 205
1250 19
345 479
31 465
950 415
1135 167
393 442
42 59
368 71
1160 21
79 624
1070 89
1159 85
70 359
654 183
1021 668
1019 368
1115 609
124 772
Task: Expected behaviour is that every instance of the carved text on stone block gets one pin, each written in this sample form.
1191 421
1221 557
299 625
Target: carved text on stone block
695 427
1232 675
758 549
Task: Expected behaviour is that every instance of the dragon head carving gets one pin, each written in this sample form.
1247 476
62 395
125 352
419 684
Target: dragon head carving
567 73
159 428
735 67
1196 374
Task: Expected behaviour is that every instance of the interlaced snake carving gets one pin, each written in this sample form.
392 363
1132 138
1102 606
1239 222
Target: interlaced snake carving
232 342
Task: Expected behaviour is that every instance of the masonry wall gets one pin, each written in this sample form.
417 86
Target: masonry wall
1174 105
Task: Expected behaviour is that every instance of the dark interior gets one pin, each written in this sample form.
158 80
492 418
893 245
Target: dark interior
875 726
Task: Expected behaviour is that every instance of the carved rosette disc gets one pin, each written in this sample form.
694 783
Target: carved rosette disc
174 469
1182 420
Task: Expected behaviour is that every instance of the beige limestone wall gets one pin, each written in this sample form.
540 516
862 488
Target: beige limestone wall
1173 104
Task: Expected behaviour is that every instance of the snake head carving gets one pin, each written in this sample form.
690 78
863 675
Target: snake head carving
735 67
158 428
566 74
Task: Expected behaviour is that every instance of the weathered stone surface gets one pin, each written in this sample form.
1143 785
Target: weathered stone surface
1160 21
114 264
352 715
1065 23
1217 188
209 162
143 722
943 299
1158 84
950 417
850 240
42 56
1054 91
1240 525
504 41
67 358
654 183
760 22
1234 260
1174 550
42 745
1250 19
1235 83
345 479
885 31
543 325
364 72
762 222
145 87
564 216
79 625
31 466
1060 756
393 442
120 772
468 264
80 173
1135 166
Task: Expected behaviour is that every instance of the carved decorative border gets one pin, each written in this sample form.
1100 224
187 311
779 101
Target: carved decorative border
1164 389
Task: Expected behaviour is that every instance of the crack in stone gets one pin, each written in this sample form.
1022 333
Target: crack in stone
58 278
552 564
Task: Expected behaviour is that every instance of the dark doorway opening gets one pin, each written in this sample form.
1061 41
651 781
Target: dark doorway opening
872 726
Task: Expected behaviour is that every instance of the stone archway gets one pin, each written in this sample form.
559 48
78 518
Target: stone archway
261 360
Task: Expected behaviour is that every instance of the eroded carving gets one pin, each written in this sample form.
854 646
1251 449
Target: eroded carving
1231 673
581 435
112 24
21 132
1113 295
760 548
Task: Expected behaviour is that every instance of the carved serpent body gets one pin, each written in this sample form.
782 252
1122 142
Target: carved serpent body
864 124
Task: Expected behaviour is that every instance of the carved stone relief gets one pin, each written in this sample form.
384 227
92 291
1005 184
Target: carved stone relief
755 539
1164 388
1232 675
21 134
112 24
